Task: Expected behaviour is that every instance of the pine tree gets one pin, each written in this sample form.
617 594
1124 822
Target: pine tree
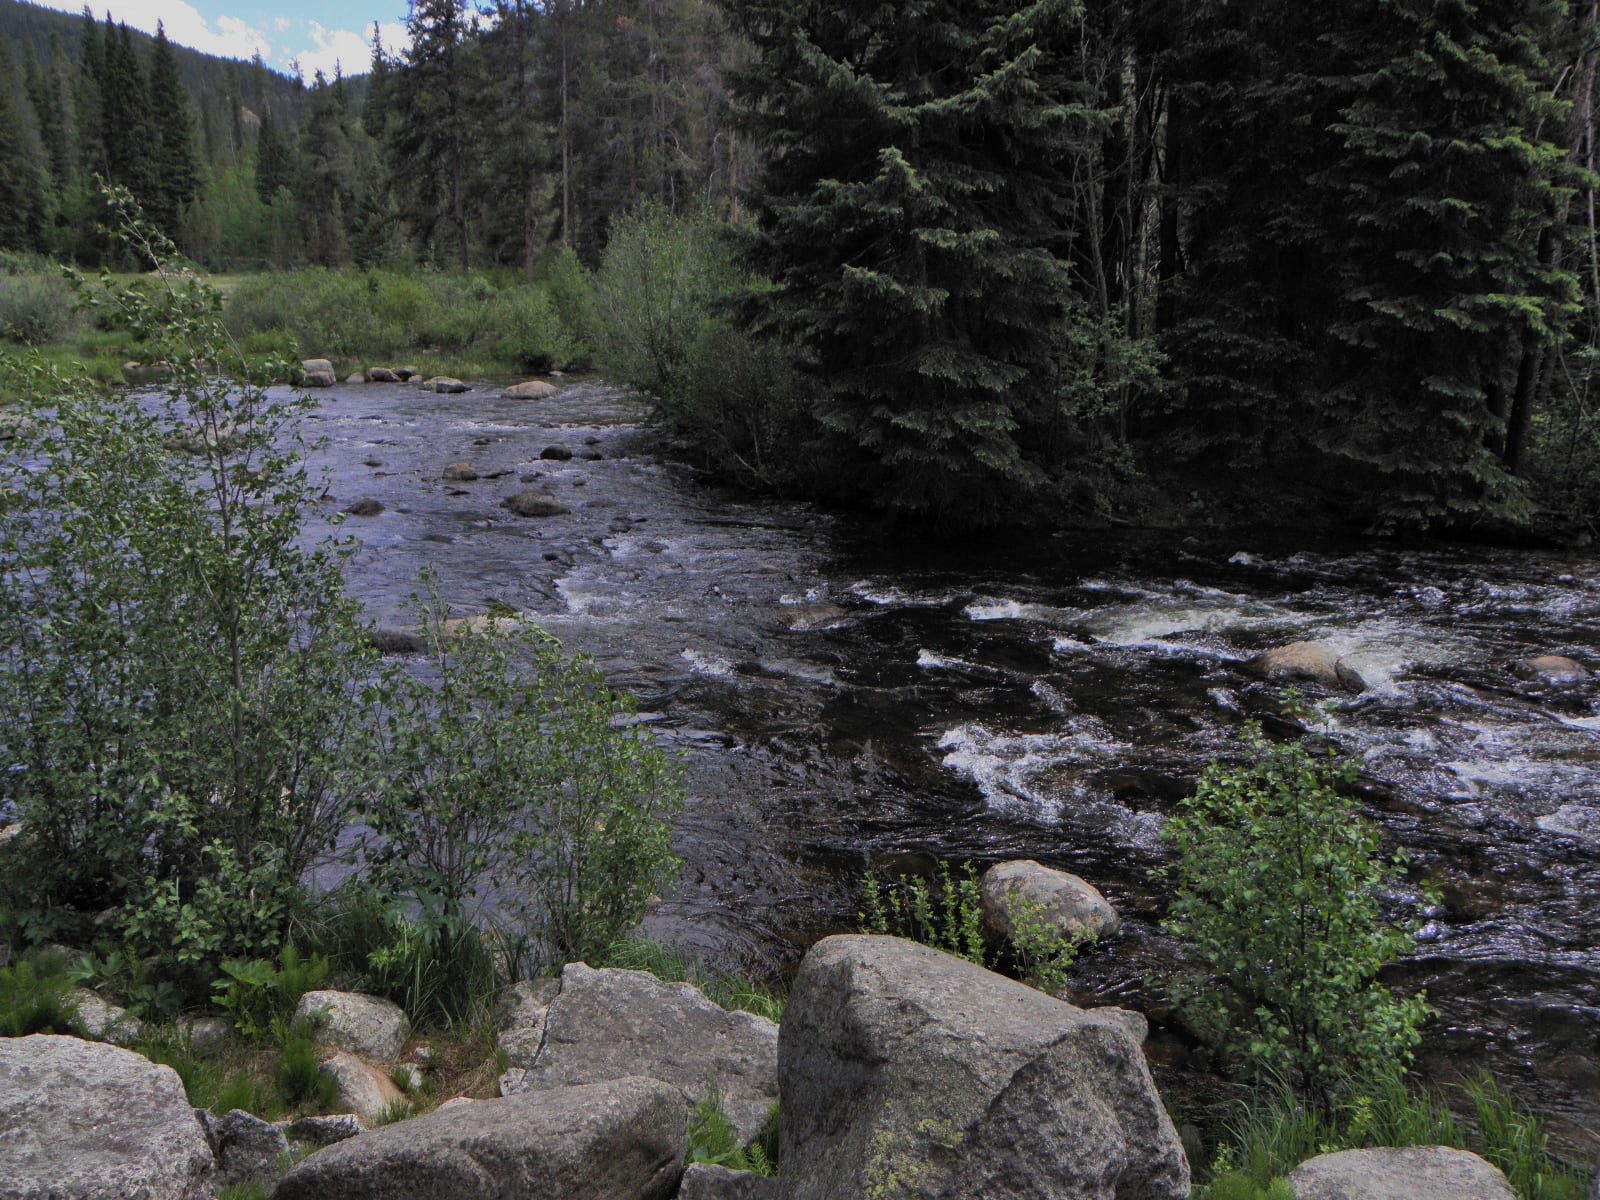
128 130
435 127
21 190
916 222
1450 190
174 172
274 160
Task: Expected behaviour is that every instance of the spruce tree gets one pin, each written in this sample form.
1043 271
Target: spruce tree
917 212
126 125
174 172
274 160
21 190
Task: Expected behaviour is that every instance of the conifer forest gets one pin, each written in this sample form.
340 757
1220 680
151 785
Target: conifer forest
983 263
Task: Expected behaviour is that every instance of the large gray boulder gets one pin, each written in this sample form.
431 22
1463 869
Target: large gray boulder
1414 1173
623 1140
366 1026
1071 907
908 1073
1307 662
88 1121
608 1024
706 1181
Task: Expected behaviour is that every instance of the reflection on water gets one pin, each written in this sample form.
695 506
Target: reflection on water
845 696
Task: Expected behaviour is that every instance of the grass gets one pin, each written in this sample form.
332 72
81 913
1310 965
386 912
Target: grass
1274 1133
36 997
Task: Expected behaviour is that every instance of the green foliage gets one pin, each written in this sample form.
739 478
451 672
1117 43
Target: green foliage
34 308
1275 886
1042 955
179 675
1275 1131
713 1139
36 999
262 997
298 1076
945 913
518 769
660 309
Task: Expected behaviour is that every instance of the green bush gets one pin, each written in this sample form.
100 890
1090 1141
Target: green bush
262 997
517 770
178 671
714 1140
36 1000
298 1075
1276 881
946 913
35 308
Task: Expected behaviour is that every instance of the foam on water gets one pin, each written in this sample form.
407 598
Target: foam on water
1007 766
709 665
890 596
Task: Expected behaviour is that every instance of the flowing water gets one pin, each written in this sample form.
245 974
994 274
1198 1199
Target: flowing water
848 698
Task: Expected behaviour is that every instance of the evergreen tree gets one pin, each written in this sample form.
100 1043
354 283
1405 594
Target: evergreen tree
128 129
21 190
436 129
1449 192
274 160
87 98
916 217
174 170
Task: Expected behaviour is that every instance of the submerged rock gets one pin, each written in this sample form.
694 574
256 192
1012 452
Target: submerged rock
1307 662
534 504
382 375
533 389
459 472
446 386
1552 670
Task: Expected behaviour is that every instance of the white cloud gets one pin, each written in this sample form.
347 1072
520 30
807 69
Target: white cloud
227 36
282 24
352 51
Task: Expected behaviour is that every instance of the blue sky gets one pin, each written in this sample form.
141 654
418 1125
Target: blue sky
317 32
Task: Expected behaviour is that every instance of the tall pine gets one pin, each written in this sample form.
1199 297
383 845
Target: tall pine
174 171
915 221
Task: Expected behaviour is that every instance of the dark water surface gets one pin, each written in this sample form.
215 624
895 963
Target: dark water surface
847 697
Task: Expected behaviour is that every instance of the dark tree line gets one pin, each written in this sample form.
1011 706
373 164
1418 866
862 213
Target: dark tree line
1335 248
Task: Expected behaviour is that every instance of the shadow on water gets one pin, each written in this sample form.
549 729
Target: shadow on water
845 698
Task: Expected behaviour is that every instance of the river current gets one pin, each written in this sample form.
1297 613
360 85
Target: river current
848 698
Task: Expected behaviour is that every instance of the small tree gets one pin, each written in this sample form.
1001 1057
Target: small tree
517 782
178 671
1275 889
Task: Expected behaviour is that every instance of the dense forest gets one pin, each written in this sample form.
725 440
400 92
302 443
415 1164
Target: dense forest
1069 256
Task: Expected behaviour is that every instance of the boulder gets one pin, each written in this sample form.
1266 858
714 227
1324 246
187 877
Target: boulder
356 377
407 374
623 1140
519 1016
1068 905
381 375
706 1181
141 374
363 1025
555 454
609 1024
363 1089
1552 670
1307 662
204 1034
365 507
310 365
397 641
1413 1173
533 503
459 472
247 1148
533 389
105 1022
319 379
445 386
323 1130
86 1121
910 1073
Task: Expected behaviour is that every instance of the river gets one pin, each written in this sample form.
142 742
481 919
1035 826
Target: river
849 698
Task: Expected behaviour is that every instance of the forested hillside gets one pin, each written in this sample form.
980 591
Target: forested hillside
1015 257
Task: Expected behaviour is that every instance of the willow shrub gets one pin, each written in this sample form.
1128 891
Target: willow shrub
1276 883
178 670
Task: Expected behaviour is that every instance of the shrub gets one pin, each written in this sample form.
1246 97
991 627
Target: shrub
946 914
35 1000
1275 882
34 308
714 1140
179 672
518 770
261 996
299 1077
